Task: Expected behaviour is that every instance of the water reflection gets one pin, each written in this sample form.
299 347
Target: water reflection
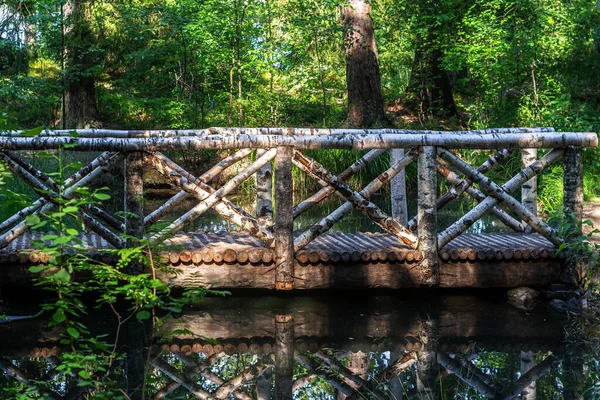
336 347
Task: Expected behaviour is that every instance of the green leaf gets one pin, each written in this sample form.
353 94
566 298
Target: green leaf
62 239
73 332
142 315
49 237
59 316
69 145
62 276
72 231
70 209
36 269
32 132
102 196
84 374
31 220
43 154
74 133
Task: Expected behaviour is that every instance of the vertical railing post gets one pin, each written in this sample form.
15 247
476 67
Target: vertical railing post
427 215
398 189
573 205
284 220
284 356
264 192
134 205
529 188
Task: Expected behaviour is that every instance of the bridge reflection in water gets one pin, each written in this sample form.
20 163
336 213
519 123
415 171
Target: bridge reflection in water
318 347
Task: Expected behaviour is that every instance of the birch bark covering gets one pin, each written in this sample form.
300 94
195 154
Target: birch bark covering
284 221
365 104
264 191
398 190
112 133
529 188
349 141
284 356
428 335
427 214
528 362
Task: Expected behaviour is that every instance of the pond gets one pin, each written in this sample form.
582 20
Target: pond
337 345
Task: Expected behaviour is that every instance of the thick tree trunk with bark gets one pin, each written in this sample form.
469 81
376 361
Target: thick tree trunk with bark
365 105
79 103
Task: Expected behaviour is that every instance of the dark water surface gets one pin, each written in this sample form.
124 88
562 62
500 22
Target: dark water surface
342 345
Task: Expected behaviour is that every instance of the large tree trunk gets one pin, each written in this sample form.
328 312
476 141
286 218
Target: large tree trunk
429 88
79 103
365 105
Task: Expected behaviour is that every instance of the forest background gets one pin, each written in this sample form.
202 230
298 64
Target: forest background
441 64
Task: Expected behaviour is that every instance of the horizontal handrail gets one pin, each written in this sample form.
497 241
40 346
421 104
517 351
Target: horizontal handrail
121 133
349 141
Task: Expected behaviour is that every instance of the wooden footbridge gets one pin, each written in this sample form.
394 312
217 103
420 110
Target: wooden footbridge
267 253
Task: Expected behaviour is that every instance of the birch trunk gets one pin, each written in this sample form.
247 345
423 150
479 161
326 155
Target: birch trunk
427 357
284 221
264 192
530 376
284 355
470 379
528 362
529 188
398 190
342 141
427 214
112 133
264 384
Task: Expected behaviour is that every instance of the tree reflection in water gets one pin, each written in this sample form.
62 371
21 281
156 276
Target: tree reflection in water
322 348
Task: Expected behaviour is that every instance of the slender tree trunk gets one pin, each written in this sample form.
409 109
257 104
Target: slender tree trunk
365 105
79 105
429 88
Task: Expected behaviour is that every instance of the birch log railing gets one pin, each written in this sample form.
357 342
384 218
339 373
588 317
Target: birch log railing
429 256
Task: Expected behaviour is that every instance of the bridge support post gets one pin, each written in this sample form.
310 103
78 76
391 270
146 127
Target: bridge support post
529 188
284 356
427 215
284 220
573 205
398 189
264 192
134 205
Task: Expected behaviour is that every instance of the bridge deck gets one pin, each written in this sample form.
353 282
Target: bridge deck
242 248
358 260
